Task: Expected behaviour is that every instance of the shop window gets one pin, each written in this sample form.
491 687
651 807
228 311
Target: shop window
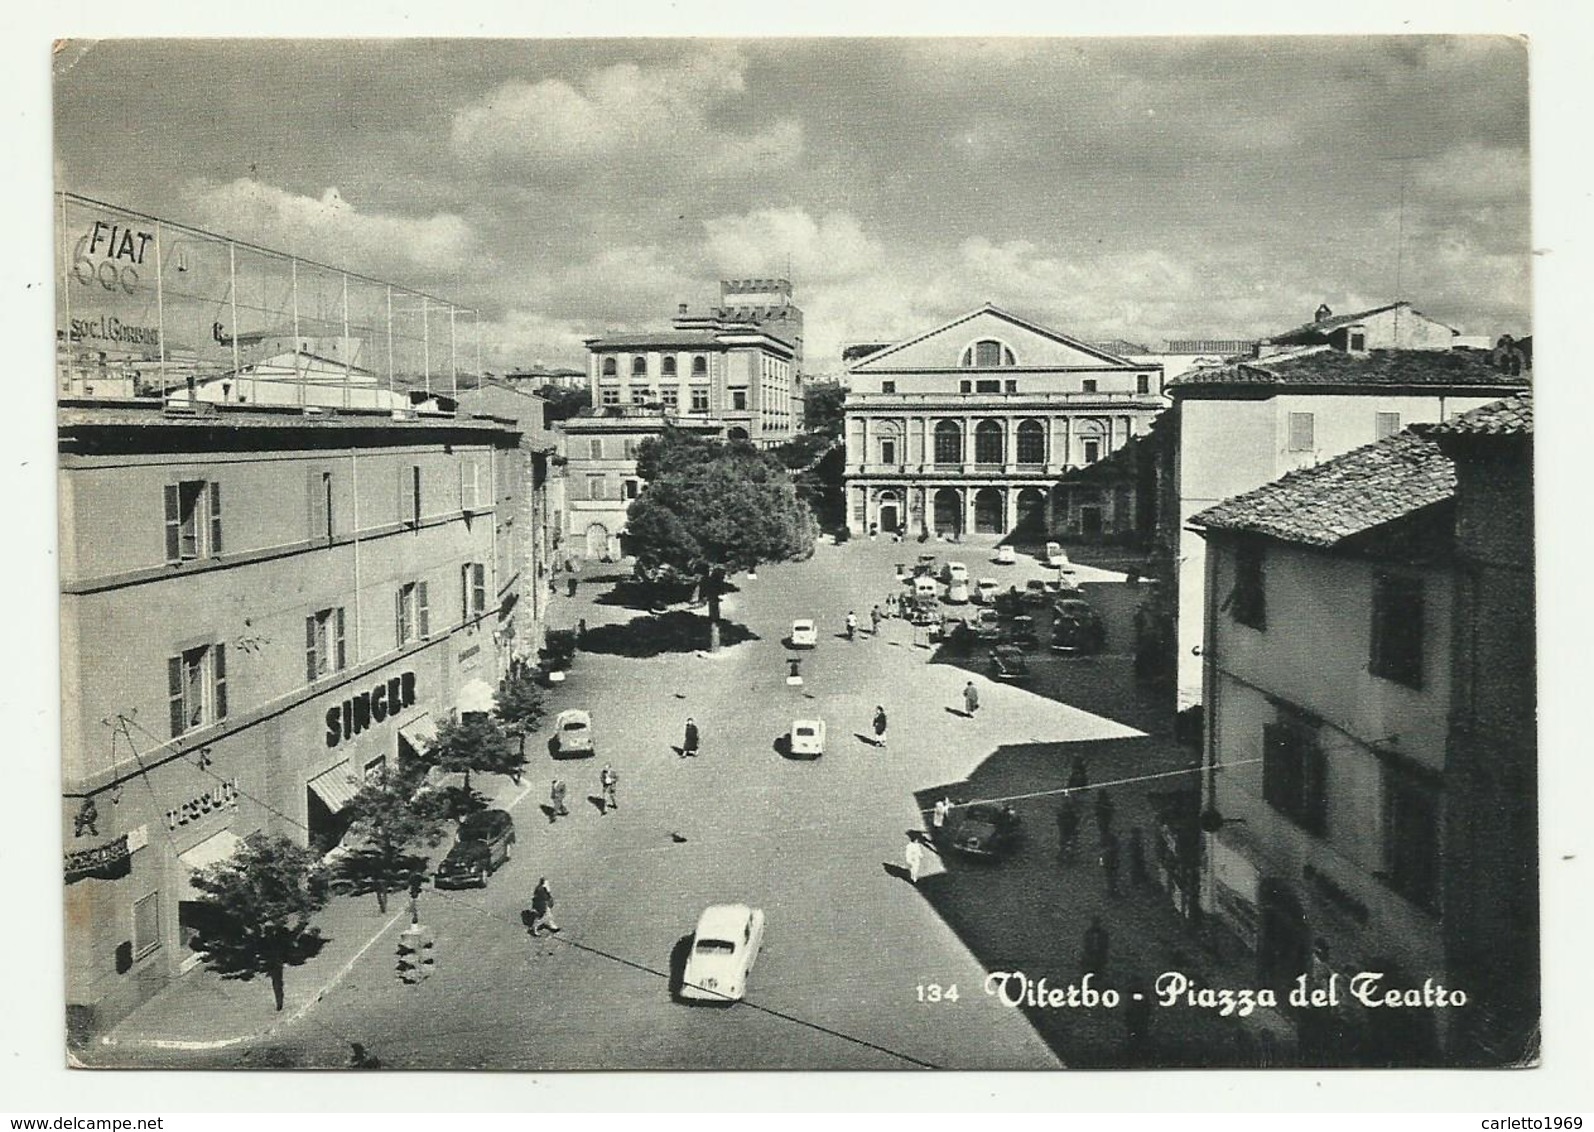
411 613
1397 638
146 924
1385 424
1411 834
196 683
1294 781
473 589
319 492
699 399
1247 601
324 649
1303 432
193 520
610 396
409 492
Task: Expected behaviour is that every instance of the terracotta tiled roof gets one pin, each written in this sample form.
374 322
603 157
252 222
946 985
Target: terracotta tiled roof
642 340
1334 322
1510 417
1324 365
1330 502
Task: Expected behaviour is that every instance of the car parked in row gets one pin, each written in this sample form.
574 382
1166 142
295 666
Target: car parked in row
1056 557
1006 555
986 589
956 572
986 831
573 734
1077 627
724 948
1008 664
479 850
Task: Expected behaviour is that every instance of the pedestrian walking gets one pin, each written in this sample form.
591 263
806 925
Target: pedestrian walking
607 779
416 881
1104 812
1094 959
971 698
556 800
880 726
571 583
1138 875
938 817
875 617
852 624
689 742
542 908
914 856
1109 862
1067 827
1078 779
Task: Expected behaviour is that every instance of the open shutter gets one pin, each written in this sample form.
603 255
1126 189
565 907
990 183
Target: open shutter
403 493
464 592
310 667
316 499
479 588
398 615
422 618
174 520
215 519
174 691
341 654
219 673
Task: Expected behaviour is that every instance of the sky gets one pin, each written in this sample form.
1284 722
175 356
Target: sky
1109 188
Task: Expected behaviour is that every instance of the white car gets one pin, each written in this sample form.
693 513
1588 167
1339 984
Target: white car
957 572
573 732
808 737
958 592
925 587
724 948
1056 557
804 634
1005 555
986 590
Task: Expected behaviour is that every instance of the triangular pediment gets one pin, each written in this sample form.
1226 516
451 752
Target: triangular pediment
1033 346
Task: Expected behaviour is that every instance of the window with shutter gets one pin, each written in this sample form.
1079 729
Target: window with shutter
1303 429
173 524
219 677
312 658
422 617
1397 633
342 652
215 519
479 588
1294 775
174 692
318 491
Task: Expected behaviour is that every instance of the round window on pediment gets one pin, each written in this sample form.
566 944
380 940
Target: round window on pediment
987 353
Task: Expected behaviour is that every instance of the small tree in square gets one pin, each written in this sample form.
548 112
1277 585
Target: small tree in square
520 709
390 824
474 743
261 902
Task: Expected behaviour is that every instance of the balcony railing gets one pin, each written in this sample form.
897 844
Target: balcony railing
975 401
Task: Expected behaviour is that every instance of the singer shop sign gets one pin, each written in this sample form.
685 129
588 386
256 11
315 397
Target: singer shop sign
358 713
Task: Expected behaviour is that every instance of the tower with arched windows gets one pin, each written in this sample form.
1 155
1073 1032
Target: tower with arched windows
972 427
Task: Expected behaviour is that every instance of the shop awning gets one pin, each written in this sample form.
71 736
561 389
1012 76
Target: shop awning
216 848
476 696
419 732
336 787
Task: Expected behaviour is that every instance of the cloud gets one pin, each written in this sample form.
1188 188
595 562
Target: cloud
625 112
832 247
528 337
330 229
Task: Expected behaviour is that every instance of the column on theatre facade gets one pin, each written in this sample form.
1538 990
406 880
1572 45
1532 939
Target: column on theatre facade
1009 508
968 440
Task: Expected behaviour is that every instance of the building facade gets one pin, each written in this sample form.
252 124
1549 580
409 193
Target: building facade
971 425
1395 326
259 611
1238 426
1327 661
600 472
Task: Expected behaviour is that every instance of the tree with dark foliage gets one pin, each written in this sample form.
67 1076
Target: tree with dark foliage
383 815
520 709
711 508
261 902
474 743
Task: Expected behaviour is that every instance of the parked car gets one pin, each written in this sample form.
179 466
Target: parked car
922 610
926 566
1035 592
1077 627
957 572
1006 555
804 634
724 948
480 849
1061 586
1056 557
924 588
808 737
986 626
957 592
573 733
557 656
986 589
1009 603
1008 664
1021 632
987 831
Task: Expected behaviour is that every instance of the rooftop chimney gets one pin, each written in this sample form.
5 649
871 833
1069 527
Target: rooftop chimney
681 309
1322 313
